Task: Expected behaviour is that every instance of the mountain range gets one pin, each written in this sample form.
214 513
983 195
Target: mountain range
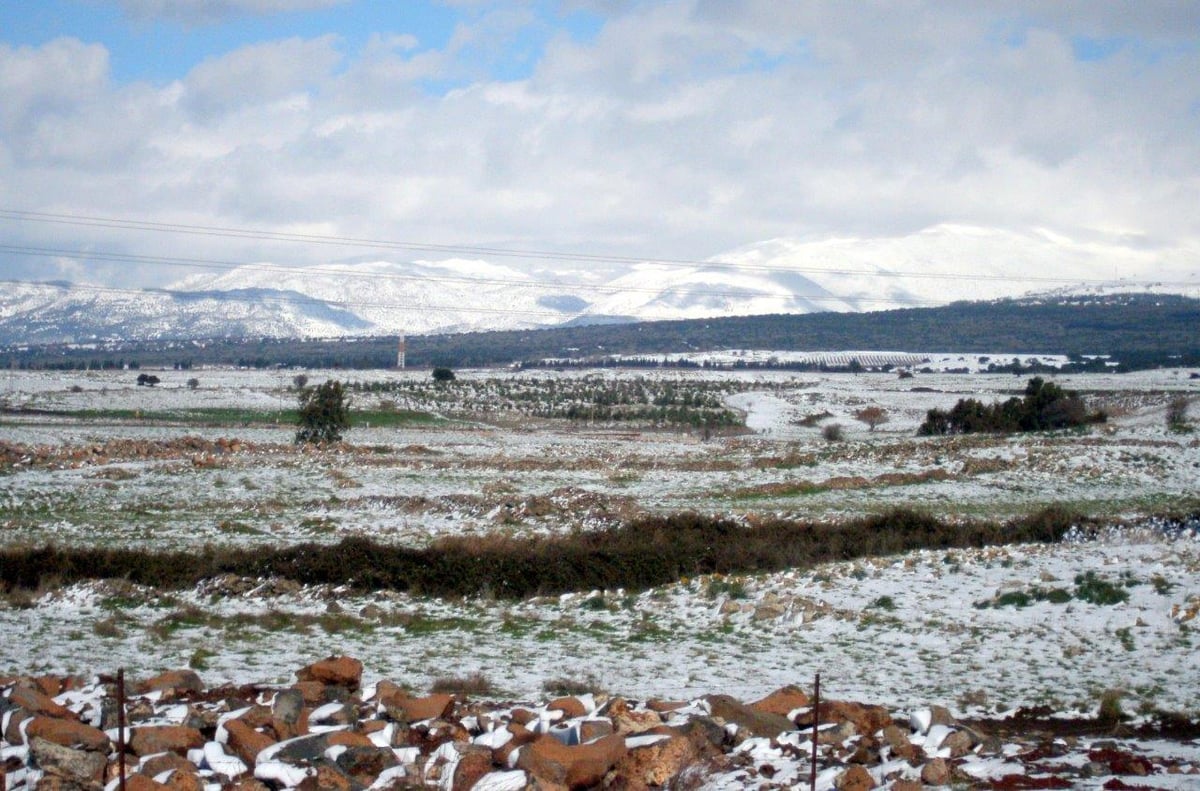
364 297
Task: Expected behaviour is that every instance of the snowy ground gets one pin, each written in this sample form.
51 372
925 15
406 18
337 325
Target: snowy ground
901 631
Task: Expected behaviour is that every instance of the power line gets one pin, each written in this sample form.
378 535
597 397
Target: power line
115 223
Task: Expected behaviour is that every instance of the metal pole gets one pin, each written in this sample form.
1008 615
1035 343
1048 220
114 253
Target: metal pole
121 729
812 779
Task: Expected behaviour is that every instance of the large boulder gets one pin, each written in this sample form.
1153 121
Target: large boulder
69 733
579 766
342 671
756 723
151 739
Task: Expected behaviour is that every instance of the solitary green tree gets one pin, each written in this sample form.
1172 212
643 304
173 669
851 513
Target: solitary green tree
324 413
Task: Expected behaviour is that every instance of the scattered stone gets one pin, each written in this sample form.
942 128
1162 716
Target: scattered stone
782 701
549 760
936 772
754 722
177 680
151 739
856 778
79 766
340 671
68 733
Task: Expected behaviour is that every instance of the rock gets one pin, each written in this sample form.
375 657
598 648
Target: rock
655 765
34 701
905 784
349 739
473 763
959 744
139 782
837 734
179 680
782 701
705 734
940 715
856 778
165 762
521 736
868 720
151 739
629 721
328 778
184 780
936 772
583 765
365 764
755 722
430 707
313 692
590 730
897 738
245 742
336 670
69 733
80 766
287 705
571 707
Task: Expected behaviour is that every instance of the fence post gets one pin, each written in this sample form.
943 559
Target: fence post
812 779
121 729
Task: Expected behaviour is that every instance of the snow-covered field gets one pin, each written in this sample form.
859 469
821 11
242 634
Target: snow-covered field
904 631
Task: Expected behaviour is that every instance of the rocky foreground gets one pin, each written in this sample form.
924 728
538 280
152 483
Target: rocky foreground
328 731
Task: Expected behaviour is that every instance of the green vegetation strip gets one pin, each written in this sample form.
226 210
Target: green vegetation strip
635 556
216 416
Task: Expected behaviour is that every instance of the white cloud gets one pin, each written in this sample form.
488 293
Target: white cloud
682 129
205 11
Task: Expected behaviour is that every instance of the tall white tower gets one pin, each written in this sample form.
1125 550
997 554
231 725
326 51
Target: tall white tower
400 352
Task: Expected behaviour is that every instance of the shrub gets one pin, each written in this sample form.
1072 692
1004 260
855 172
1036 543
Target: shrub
473 684
324 413
1177 409
832 432
1046 406
443 374
193 383
872 415
1096 590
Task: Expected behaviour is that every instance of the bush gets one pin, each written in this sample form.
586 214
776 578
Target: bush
1177 418
442 374
1046 406
832 432
193 383
324 413
872 415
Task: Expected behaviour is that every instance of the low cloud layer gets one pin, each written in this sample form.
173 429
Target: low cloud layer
671 130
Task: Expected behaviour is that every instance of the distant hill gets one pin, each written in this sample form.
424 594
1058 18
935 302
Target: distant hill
1138 330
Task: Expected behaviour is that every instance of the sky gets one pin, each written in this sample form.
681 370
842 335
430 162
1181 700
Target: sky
678 130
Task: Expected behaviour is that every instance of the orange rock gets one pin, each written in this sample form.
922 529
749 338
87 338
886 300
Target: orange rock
327 778
35 701
868 720
936 772
349 739
49 685
782 701
521 736
151 739
140 782
181 680
68 733
856 778
571 707
313 692
245 742
582 765
655 765
473 763
523 716
165 762
430 707
184 780
664 706
342 671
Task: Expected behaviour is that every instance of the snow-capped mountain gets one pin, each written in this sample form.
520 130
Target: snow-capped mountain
941 264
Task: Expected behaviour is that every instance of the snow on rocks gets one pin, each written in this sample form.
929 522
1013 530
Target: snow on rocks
271 737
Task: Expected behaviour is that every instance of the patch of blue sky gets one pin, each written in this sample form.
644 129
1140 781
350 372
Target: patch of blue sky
162 49
1088 48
